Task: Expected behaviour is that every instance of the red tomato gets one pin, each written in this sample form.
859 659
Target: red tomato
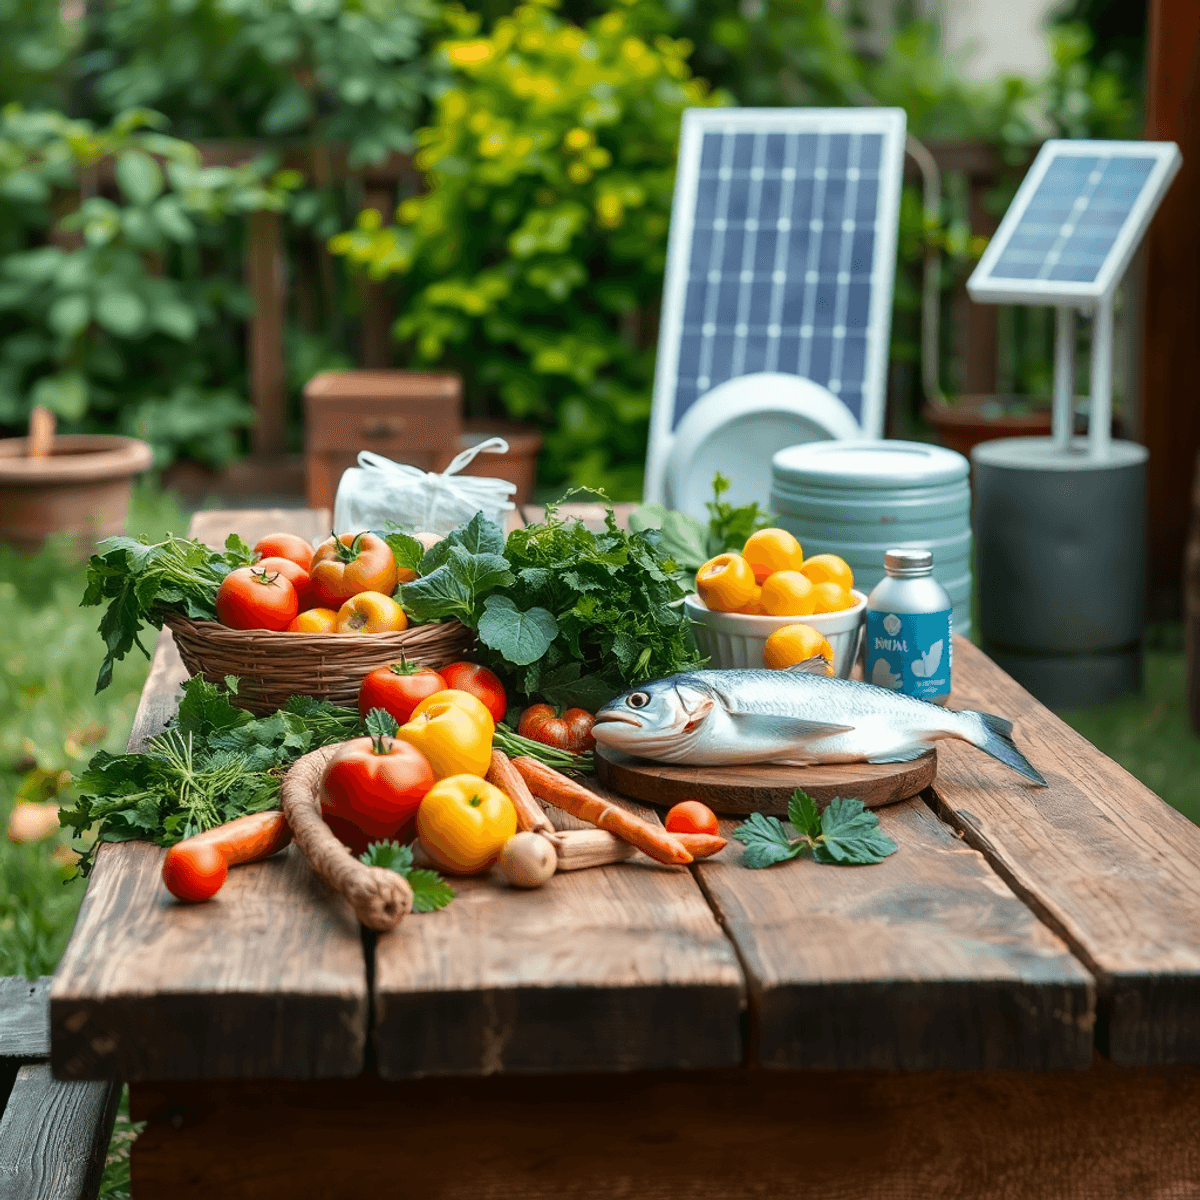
480 682
285 545
249 598
690 816
372 788
398 689
297 576
344 566
194 873
570 731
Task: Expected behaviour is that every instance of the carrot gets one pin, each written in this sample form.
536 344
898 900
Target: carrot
702 845
529 812
195 868
547 784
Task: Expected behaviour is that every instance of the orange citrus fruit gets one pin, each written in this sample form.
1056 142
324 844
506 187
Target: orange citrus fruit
787 594
771 550
753 607
831 597
725 583
796 644
829 568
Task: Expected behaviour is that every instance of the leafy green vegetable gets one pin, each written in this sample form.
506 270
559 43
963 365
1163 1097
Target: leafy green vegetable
212 763
519 637
406 550
729 527
141 583
846 834
430 890
457 574
513 744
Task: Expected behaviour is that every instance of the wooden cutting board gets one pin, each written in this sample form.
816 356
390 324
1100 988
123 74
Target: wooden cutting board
763 788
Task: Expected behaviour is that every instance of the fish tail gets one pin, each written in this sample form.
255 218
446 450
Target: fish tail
993 735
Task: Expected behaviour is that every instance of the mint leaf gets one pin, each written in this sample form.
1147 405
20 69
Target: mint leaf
850 835
381 724
803 814
766 841
521 637
430 890
390 855
406 550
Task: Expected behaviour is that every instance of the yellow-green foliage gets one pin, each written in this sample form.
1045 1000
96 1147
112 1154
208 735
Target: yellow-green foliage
535 259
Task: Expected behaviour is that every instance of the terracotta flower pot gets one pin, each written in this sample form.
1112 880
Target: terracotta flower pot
974 419
81 490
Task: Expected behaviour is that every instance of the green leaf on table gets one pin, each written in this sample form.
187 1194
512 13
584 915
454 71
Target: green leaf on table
804 815
390 855
205 710
430 890
381 724
521 637
766 841
406 550
850 835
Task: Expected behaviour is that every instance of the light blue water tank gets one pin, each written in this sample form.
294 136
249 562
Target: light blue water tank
859 499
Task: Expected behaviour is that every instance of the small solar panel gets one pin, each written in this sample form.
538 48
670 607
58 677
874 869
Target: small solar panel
782 256
1075 221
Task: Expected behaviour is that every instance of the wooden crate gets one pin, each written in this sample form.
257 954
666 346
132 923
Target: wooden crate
409 416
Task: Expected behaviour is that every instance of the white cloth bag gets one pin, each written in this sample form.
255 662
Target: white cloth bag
379 490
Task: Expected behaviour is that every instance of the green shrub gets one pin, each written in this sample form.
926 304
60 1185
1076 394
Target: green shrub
538 252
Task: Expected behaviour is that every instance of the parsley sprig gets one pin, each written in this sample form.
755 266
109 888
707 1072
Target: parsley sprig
846 834
430 890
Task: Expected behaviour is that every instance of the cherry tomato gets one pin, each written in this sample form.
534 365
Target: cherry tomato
370 612
690 816
285 545
372 788
344 566
314 620
480 682
297 576
195 873
398 689
249 598
572 730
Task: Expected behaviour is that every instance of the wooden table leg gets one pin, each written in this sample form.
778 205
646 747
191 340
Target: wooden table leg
1095 1134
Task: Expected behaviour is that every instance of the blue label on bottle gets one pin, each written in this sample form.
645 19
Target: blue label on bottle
909 652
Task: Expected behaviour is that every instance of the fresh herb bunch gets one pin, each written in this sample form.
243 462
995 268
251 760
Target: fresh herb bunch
141 583
689 541
846 833
212 763
430 891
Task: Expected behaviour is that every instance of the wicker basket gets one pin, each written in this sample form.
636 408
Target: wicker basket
328 666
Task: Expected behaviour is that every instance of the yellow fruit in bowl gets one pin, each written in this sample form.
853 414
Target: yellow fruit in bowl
828 568
787 594
753 607
830 598
794 644
771 550
726 583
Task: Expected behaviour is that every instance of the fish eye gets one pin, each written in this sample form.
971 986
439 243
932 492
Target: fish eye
638 700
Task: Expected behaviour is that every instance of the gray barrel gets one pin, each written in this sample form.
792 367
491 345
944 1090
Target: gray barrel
1060 554
859 499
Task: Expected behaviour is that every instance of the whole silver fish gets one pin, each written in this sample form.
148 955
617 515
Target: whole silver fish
718 718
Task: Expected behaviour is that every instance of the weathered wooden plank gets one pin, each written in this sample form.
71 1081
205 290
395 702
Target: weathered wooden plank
54 1135
925 961
25 1017
268 978
1109 865
1102 1134
607 969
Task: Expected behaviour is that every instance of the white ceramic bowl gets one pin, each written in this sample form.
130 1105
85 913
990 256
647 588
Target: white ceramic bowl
737 640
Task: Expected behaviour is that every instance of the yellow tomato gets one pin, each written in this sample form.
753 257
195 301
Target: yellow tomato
463 823
725 583
314 620
787 594
370 612
771 550
831 597
794 644
454 733
828 568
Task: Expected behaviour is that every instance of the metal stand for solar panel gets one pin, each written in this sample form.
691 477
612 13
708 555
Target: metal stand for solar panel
778 292
1059 521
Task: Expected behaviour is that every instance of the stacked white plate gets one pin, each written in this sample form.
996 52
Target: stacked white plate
859 499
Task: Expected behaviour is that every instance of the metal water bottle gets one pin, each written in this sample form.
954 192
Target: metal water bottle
909 645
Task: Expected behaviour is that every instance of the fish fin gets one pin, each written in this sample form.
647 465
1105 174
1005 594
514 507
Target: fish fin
786 727
899 756
817 665
996 740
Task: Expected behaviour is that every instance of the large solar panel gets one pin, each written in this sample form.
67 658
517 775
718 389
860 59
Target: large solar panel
782 256
1075 222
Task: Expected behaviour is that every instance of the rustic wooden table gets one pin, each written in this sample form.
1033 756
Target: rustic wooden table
1008 1007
